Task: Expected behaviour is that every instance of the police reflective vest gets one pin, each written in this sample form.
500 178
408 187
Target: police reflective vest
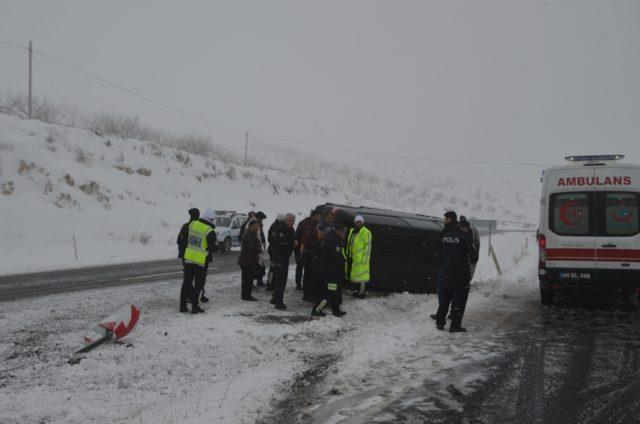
359 251
196 252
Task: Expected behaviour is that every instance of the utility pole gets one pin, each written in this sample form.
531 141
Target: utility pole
30 75
246 148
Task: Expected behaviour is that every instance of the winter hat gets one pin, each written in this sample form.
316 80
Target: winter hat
452 215
359 218
194 213
209 215
280 217
261 215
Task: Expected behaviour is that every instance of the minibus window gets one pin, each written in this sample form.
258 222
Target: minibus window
621 214
570 214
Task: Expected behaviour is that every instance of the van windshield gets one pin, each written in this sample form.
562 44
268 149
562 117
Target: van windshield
621 214
570 214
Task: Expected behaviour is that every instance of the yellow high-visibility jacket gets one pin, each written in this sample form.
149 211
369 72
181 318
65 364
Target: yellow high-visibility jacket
359 253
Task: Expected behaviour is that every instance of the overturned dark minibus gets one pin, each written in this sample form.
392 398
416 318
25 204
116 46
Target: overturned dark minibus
405 247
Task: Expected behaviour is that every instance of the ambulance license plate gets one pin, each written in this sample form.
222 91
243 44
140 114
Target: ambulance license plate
579 276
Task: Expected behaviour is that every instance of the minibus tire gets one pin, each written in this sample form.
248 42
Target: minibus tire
547 296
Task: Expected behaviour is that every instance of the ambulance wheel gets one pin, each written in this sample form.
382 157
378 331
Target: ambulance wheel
226 246
547 296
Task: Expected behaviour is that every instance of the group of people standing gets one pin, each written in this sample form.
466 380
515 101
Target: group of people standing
328 256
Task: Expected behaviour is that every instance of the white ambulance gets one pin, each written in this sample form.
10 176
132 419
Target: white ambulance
589 234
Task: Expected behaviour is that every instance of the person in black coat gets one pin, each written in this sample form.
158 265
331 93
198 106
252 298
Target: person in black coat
456 254
282 244
331 269
249 258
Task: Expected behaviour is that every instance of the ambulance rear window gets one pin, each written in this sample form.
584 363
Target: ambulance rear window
621 214
570 214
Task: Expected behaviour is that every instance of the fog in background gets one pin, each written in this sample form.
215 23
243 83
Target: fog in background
507 81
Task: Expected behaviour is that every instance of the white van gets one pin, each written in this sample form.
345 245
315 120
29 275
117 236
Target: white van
589 234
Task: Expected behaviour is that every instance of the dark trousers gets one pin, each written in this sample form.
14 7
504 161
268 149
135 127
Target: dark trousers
192 284
299 268
317 286
280 275
329 297
439 284
308 278
456 297
258 275
248 275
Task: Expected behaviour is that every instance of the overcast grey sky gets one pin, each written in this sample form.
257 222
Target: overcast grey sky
526 81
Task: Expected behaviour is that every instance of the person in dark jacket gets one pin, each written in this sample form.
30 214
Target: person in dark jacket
331 270
250 258
183 235
456 254
310 245
251 215
279 222
282 244
449 218
201 243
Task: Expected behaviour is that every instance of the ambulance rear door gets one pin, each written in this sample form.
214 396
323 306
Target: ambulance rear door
618 226
570 239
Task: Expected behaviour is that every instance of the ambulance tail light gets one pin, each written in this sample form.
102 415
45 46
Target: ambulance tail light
542 251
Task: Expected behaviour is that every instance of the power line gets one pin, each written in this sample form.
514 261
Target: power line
268 137
14 45
136 94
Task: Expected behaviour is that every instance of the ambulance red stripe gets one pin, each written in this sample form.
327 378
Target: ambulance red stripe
605 255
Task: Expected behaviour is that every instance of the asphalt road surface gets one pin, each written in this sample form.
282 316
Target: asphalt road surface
575 362
45 283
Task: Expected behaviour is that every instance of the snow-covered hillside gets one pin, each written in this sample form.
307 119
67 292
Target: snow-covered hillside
122 199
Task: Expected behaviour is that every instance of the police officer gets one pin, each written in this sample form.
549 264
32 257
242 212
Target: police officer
359 256
282 245
456 253
331 270
201 242
194 214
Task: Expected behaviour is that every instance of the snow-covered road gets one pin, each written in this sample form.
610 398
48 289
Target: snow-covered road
243 361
